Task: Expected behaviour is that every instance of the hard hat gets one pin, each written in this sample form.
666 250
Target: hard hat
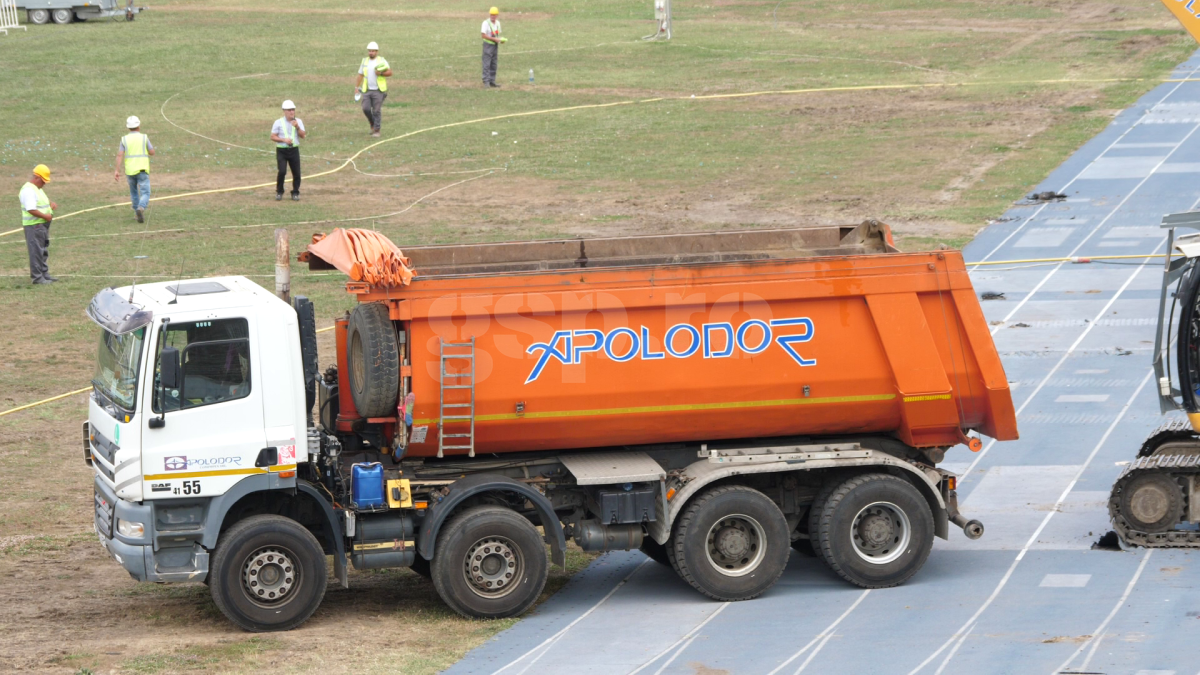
372 45
132 122
494 10
42 171
288 105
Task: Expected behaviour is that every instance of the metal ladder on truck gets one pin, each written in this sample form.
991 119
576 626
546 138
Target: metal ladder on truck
457 414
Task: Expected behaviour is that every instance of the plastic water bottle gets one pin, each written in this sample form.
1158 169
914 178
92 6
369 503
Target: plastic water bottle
531 76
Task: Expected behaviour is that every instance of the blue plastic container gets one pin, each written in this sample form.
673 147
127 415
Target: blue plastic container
366 484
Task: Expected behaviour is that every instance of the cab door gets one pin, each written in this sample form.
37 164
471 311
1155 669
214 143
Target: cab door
211 428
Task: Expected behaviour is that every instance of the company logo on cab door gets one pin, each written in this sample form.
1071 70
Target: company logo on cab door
683 340
175 463
182 463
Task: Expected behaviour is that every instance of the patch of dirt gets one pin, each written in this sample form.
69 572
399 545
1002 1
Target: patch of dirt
1075 639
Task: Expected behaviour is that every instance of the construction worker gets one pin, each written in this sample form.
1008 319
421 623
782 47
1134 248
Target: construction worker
36 213
491 46
371 86
134 156
287 132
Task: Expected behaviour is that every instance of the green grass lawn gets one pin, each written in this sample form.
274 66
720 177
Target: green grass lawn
207 80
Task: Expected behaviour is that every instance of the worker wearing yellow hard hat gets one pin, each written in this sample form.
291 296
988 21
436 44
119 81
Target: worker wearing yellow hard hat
36 213
491 46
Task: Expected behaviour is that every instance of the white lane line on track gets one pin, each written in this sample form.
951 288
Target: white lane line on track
954 651
822 635
1033 538
1086 331
549 642
688 638
1098 634
1071 182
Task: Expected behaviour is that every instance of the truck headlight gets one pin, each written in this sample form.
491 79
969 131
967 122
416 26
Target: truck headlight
131 529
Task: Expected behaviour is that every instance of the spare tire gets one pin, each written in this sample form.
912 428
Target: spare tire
374 360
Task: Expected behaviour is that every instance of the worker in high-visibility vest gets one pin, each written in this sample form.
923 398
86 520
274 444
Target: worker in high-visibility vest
36 213
287 132
133 156
371 86
490 31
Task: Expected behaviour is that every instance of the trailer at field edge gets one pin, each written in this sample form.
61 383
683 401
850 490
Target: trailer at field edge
39 12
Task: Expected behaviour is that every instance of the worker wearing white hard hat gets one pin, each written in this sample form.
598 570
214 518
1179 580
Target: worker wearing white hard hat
371 86
490 31
133 156
286 133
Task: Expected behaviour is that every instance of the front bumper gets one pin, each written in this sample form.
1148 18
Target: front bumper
137 556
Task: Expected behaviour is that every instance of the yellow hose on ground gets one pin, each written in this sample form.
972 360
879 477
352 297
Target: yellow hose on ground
591 106
45 400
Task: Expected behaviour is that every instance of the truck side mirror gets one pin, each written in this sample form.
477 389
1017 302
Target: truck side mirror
169 368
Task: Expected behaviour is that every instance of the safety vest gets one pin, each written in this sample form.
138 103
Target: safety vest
43 205
137 153
288 132
379 79
493 29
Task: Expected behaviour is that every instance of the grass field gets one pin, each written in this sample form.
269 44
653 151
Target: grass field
207 79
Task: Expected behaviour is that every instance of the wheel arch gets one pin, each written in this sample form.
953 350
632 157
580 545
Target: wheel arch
304 504
462 491
702 474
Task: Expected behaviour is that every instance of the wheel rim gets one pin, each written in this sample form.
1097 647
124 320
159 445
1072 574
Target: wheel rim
880 533
269 576
735 545
39 16
493 567
62 15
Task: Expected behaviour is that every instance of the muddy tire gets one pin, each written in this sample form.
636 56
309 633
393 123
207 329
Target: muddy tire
490 563
875 530
656 551
731 543
814 518
268 574
374 360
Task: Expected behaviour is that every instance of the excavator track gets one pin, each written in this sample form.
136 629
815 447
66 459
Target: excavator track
1152 496
1178 429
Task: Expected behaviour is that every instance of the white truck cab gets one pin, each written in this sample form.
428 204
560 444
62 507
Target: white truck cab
167 458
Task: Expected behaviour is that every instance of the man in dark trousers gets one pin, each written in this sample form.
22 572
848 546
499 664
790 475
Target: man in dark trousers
371 86
287 132
490 31
36 213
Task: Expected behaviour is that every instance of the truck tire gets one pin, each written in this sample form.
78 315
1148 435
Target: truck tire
62 16
268 574
489 563
374 360
875 530
731 543
38 17
655 551
814 518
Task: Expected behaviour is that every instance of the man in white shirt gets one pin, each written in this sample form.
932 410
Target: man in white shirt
490 31
36 213
286 133
371 84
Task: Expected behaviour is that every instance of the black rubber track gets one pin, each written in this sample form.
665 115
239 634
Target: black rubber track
374 360
1171 430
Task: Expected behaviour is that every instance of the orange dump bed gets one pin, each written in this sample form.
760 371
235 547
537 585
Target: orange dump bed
813 331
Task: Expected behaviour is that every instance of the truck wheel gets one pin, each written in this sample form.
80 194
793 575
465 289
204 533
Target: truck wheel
814 518
268 574
655 551
490 563
63 16
875 530
374 360
38 16
731 543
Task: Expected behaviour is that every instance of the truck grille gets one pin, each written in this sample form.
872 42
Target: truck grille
104 515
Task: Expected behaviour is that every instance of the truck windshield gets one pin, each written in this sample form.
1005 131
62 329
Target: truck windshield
117 367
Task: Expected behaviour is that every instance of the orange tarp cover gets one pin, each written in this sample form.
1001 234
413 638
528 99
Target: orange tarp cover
364 255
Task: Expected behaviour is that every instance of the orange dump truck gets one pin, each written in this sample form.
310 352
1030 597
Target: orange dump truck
717 400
